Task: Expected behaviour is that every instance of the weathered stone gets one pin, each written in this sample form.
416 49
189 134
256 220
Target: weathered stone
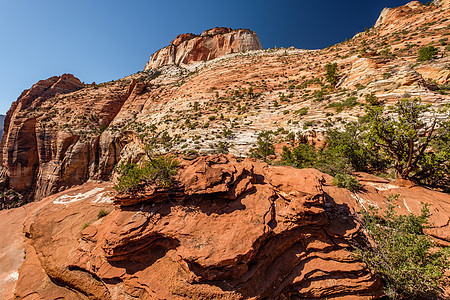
188 48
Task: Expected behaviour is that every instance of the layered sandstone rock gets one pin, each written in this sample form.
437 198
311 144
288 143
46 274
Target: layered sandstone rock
436 72
52 136
229 230
55 140
389 16
18 146
213 43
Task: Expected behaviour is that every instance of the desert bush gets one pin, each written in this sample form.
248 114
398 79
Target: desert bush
346 181
410 264
331 73
130 175
157 170
302 156
427 53
410 132
102 213
371 99
302 111
347 150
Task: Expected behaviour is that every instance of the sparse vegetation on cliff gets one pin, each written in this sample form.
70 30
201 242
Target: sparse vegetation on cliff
409 137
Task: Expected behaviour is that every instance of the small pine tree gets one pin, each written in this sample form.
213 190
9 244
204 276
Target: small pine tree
331 74
427 53
264 146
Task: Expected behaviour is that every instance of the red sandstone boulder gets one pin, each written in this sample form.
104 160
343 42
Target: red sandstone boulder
231 230
241 230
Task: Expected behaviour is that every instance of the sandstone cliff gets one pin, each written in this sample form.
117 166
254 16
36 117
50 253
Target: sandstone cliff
81 135
80 132
213 43
232 229
19 147
52 135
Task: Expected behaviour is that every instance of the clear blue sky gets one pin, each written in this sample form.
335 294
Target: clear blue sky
99 40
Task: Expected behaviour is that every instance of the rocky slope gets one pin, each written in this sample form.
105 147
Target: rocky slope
230 230
223 101
220 103
188 48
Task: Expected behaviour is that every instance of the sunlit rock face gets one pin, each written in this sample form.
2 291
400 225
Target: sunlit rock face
188 48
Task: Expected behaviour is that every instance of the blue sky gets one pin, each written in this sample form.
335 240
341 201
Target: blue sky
101 40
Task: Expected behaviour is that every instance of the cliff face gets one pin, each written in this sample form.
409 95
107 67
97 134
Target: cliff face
231 229
19 145
213 43
52 137
61 133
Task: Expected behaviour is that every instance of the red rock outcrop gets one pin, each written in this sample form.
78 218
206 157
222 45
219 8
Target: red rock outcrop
52 135
19 144
11 249
188 48
389 16
230 230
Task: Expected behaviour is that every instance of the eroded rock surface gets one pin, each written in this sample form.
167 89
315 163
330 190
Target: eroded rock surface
188 48
53 137
228 230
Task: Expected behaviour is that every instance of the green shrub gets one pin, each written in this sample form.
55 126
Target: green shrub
348 147
410 264
346 181
427 53
264 146
350 102
371 99
275 103
160 170
359 86
318 95
157 170
331 73
130 177
302 156
302 111
407 132
222 147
